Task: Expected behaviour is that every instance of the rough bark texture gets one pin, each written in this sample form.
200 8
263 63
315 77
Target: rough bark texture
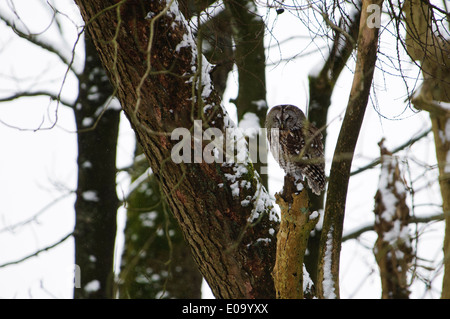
157 85
157 262
433 51
331 237
96 204
297 222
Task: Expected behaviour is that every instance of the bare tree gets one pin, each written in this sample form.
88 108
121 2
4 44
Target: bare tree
97 122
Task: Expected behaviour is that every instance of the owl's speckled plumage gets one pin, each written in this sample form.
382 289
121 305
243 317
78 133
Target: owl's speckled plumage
296 145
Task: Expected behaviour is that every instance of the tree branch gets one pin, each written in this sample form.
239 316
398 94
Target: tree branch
67 59
297 222
37 252
395 150
52 96
355 233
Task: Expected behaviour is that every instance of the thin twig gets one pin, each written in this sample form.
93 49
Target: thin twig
397 149
52 96
37 252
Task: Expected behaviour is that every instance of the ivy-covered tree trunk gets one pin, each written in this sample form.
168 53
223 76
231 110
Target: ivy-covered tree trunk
96 204
156 262
163 83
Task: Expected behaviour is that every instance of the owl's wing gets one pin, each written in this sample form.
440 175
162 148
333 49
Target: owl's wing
315 145
293 143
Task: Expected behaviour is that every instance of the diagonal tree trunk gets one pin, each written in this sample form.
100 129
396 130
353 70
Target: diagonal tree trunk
153 63
156 261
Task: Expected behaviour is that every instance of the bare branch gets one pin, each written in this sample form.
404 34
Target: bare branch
355 233
52 96
397 149
11 228
37 252
331 237
38 39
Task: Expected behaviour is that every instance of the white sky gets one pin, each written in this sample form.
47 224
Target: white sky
39 167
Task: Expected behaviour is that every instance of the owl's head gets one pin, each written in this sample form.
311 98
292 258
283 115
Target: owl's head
285 117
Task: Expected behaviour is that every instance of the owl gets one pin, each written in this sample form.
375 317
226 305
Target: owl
296 145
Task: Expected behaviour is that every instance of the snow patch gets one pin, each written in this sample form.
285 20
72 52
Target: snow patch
92 286
90 196
260 104
250 124
397 234
187 41
386 178
328 282
314 215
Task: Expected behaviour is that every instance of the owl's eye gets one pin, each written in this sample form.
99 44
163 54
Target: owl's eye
289 119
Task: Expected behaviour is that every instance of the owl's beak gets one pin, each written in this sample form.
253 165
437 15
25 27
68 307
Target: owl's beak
282 126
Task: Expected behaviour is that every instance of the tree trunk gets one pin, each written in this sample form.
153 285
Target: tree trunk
153 62
156 261
96 204
331 237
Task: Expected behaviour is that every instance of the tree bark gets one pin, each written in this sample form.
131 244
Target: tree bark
154 65
156 261
331 237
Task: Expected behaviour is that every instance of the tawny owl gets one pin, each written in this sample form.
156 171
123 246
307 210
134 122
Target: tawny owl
296 145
